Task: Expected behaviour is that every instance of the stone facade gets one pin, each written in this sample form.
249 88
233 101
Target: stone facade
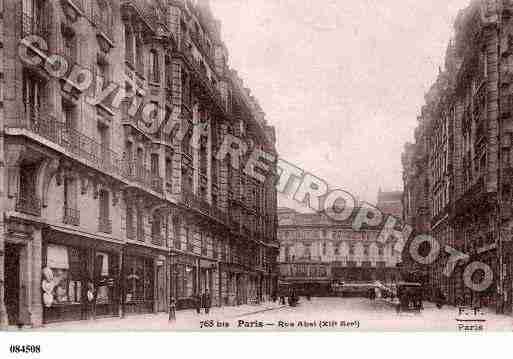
457 174
316 251
99 216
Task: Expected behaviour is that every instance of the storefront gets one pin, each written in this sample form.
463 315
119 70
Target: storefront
184 280
139 284
80 278
145 280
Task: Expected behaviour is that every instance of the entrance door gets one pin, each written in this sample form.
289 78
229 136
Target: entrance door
12 282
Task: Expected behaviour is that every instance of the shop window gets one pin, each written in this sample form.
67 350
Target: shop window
63 274
139 281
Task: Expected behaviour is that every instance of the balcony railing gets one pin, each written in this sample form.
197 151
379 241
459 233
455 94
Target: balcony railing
28 204
104 225
71 216
201 74
97 155
192 201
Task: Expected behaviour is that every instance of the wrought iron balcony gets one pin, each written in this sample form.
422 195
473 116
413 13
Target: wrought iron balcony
71 216
104 225
28 204
192 201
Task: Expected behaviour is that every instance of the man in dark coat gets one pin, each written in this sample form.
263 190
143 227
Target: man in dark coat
206 301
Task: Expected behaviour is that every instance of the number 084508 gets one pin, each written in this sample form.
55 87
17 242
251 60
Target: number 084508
25 349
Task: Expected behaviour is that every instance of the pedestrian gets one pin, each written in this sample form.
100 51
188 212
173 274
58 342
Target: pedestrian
206 301
197 303
172 309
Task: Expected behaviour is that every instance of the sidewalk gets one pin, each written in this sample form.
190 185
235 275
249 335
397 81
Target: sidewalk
185 320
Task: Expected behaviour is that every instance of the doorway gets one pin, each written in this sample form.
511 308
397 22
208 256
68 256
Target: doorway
12 283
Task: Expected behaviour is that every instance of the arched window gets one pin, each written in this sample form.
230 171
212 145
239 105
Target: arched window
154 66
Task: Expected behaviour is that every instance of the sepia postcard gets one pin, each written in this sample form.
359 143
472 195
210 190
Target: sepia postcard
255 166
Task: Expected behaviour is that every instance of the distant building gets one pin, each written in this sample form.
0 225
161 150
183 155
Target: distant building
391 203
316 251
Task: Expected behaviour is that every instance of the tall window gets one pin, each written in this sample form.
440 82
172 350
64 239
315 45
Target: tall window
104 204
139 55
140 225
156 226
105 225
104 142
130 229
155 164
68 115
32 97
366 250
154 66
169 73
169 171
33 17
70 46
129 44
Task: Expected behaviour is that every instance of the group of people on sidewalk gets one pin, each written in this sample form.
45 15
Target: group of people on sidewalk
200 301
203 301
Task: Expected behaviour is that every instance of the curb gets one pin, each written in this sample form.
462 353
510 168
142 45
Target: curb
259 311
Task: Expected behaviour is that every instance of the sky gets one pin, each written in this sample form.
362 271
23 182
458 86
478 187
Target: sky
342 81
